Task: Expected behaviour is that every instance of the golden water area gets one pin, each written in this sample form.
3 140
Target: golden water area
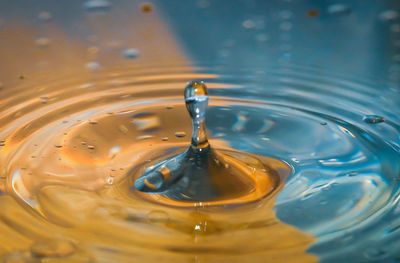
71 138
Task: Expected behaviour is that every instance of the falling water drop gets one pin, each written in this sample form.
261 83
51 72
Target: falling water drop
204 174
373 119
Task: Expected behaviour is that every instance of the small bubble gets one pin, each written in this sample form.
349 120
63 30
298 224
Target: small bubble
44 98
373 119
52 248
114 151
97 6
203 3
164 139
94 65
83 143
146 8
44 16
2 144
389 15
146 121
93 122
42 42
110 180
157 216
58 146
248 24
180 134
123 129
169 107
91 147
130 53
323 123
339 10
144 137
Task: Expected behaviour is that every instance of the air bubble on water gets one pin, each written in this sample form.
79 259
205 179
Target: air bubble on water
52 248
130 53
44 16
42 42
248 23
157 216
339 9
110 180
86 86
389 15
146 121
203 3
97 6
144 137
164 139
323 123
91 147
122 128
180 134
373 119
93 65
114 151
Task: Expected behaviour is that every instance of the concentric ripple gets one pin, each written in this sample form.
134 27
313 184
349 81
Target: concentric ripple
69 146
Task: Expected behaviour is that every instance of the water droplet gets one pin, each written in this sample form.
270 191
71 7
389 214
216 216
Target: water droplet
44 16
123 129
114 151
180 134
130 53
169 107
323 123
373 119
157 216
93 66
93 122
164 139
339 10
248 24
110 180
146 8
42 42
144 137
58 146
146 121
52 248
2 144
389 15
91 147
97 6
44 98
